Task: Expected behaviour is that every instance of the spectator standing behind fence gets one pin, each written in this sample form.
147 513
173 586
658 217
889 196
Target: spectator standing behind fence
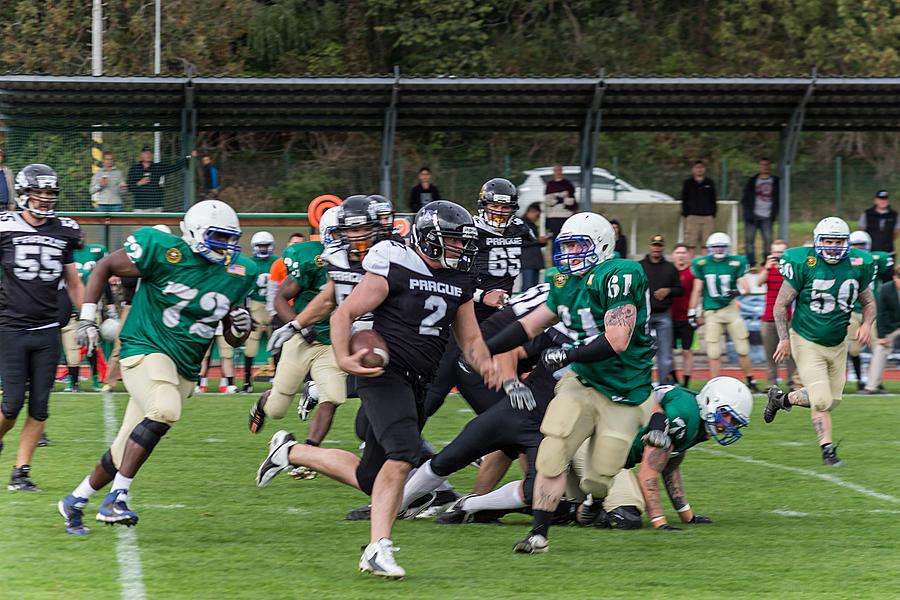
682 328
760 201
559 198
107 185
770 276
143 180
880 221
698 207
665 285
887 325
424 192
210 173
621 241
532 256
7 187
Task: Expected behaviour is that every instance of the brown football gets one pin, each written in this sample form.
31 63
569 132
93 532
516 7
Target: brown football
371 340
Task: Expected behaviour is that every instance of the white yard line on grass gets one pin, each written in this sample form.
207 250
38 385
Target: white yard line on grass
131 575
809 473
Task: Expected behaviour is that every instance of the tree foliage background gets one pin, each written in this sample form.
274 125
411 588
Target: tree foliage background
469 37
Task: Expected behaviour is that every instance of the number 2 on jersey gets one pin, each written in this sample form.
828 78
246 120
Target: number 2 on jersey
213 302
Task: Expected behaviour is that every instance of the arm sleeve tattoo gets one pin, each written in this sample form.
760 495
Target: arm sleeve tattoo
786 296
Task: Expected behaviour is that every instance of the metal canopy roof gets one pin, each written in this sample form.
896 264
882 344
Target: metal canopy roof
448 104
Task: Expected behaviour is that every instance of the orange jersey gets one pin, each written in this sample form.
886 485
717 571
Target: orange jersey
278 273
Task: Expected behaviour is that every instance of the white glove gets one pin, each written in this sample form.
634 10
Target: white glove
520 395
241 322
281 335
87 335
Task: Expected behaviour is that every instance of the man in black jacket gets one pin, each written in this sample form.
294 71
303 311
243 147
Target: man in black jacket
665 284
144 180
880 221
760 201
698 207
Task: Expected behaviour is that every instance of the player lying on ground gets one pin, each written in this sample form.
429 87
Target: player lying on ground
825 281
414 294
188 285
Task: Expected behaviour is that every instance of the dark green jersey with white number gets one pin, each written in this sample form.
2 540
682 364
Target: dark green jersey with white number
581 304
883 262
826 292
719 277
686 428
87 258
305 265
180 299
263 266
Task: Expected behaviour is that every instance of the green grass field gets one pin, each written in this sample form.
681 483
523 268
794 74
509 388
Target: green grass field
206 531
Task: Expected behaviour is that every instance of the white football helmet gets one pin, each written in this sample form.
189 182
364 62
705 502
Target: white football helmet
109 329
207 219
718 245
725 406
328 223
163 228
831 228
595 241
263 244
861 239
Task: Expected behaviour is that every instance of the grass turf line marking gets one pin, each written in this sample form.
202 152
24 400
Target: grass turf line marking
131 574
789 513
809 473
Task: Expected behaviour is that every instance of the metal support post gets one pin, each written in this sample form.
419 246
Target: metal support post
590 133
790 137
188 134
387 136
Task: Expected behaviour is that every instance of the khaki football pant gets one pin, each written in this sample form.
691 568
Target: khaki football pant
853 346
717 322
624 489
70 346
822 369
262 324
157 392
113 370
299 358
580 413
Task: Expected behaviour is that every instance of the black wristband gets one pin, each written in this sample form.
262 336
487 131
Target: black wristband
658 422
599 349
511 336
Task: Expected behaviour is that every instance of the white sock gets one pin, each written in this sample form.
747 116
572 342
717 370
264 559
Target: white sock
444 487
422 482
203 381
507 497
84 489
122 483
313 391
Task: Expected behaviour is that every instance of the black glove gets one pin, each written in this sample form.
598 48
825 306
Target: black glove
668 527
700 520
692 318
520 395
555 358
732 294
309 334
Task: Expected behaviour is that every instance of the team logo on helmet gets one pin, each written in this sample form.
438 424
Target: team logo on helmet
320 262
811 261
173 255
559 279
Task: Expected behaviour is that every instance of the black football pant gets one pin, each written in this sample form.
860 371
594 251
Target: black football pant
28 362
469 382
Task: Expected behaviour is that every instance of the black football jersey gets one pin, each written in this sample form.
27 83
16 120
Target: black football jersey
415 317
498 259
345 274
32 261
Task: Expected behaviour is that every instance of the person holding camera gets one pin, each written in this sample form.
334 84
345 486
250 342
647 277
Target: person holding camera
771 277
559 196
107 185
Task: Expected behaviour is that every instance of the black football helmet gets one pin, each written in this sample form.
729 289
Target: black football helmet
385 211
438 221
498 191
357 214
37 177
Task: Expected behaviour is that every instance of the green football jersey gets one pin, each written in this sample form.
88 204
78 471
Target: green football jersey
263 266
686 428
180 299
87 258
305 265
882 262
581 304
719 278
826 292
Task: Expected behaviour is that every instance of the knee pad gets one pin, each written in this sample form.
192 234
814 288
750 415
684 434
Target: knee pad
11 409
742 346
714 348
596 485
551 457
36 414
106 462
147 434
166 404
277 404
625 517
820 398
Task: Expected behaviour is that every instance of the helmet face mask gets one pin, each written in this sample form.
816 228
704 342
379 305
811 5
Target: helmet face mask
861 239
718 245
263 244
37 190
498 202
831 239
725 406
212 230
385 211
358 225
585 240
445 232
328 227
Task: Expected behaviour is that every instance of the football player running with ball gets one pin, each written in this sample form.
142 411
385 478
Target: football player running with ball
826 281
188 285
603 397
415 295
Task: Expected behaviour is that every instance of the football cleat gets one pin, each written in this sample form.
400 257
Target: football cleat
72 510
228 389
830 457
277 461
456 514
44 440
304 474
774 403
247 388
417 506
107 389
95 384
378 559
20 481
444 499
363 513
257 414
587 513
307 402
533 544
115 511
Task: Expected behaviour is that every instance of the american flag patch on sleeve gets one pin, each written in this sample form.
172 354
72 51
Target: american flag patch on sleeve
237 270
